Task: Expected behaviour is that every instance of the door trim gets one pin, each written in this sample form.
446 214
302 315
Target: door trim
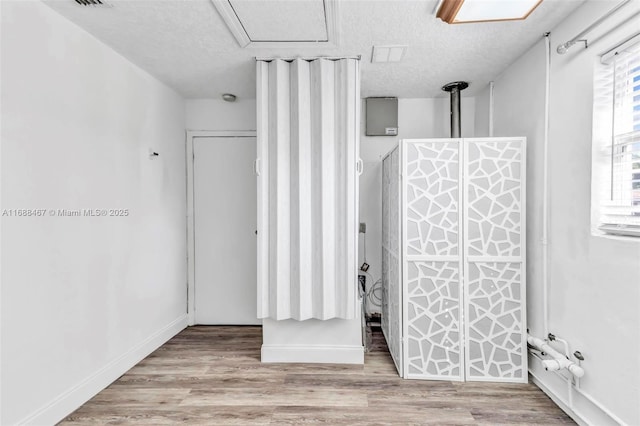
191 267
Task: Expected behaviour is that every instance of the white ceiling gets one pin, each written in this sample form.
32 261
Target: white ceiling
186 44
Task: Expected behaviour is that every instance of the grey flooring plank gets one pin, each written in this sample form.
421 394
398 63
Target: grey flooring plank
213 376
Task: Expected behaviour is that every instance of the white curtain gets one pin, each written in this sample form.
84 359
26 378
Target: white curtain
308 137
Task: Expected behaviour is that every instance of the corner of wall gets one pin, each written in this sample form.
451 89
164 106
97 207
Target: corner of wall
60 407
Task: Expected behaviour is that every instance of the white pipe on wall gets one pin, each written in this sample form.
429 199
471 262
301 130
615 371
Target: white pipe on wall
577 388
558 361
595 402
545 191
491 87
565 344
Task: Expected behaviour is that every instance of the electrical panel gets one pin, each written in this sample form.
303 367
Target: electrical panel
382 116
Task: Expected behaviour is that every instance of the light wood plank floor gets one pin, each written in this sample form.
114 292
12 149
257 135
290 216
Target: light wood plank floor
213 376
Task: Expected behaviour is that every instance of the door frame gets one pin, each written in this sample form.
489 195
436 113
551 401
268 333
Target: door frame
189 158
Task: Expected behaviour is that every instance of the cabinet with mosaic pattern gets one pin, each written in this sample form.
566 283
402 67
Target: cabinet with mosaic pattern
454 258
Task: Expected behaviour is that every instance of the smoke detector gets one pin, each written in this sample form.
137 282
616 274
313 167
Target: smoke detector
229 97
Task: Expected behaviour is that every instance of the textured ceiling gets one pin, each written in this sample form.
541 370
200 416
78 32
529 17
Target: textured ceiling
186 44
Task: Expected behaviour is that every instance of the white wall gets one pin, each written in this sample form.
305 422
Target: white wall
84 298
481 119
216 114
594 281
417 118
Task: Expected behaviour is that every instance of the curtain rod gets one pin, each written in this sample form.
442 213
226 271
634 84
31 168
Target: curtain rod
330 58
562 48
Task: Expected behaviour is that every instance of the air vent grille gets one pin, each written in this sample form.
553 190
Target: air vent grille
93 3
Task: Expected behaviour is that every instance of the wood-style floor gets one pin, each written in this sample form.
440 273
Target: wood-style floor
213 376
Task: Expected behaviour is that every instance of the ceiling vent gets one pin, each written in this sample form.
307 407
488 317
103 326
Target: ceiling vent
93 3
388 53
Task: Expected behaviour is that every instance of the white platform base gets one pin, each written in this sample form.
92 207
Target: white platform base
57 409
313 354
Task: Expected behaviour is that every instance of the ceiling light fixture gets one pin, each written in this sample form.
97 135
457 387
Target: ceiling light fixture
469 11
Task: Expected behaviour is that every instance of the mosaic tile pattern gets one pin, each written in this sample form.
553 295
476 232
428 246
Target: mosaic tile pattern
493 208
432 198
434 320
494 310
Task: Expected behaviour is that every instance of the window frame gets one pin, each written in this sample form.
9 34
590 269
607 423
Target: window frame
610 216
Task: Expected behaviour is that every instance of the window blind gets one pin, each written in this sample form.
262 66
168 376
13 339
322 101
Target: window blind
617 91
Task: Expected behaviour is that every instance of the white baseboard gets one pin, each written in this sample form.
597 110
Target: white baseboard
60 407
557 400
583 409
313 354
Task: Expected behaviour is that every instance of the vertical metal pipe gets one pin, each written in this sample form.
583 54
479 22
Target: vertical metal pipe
491 90
454 90
456 124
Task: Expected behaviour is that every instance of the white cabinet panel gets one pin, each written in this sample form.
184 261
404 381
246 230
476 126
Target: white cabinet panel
391 258
462 280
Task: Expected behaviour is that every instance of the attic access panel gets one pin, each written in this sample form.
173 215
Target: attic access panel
280 23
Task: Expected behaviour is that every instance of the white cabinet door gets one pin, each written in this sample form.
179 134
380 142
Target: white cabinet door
432 240
224 187
494 259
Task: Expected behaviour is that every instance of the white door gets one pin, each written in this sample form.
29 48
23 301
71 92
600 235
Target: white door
224 197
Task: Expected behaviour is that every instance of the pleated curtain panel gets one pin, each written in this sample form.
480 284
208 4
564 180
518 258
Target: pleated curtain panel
307 165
